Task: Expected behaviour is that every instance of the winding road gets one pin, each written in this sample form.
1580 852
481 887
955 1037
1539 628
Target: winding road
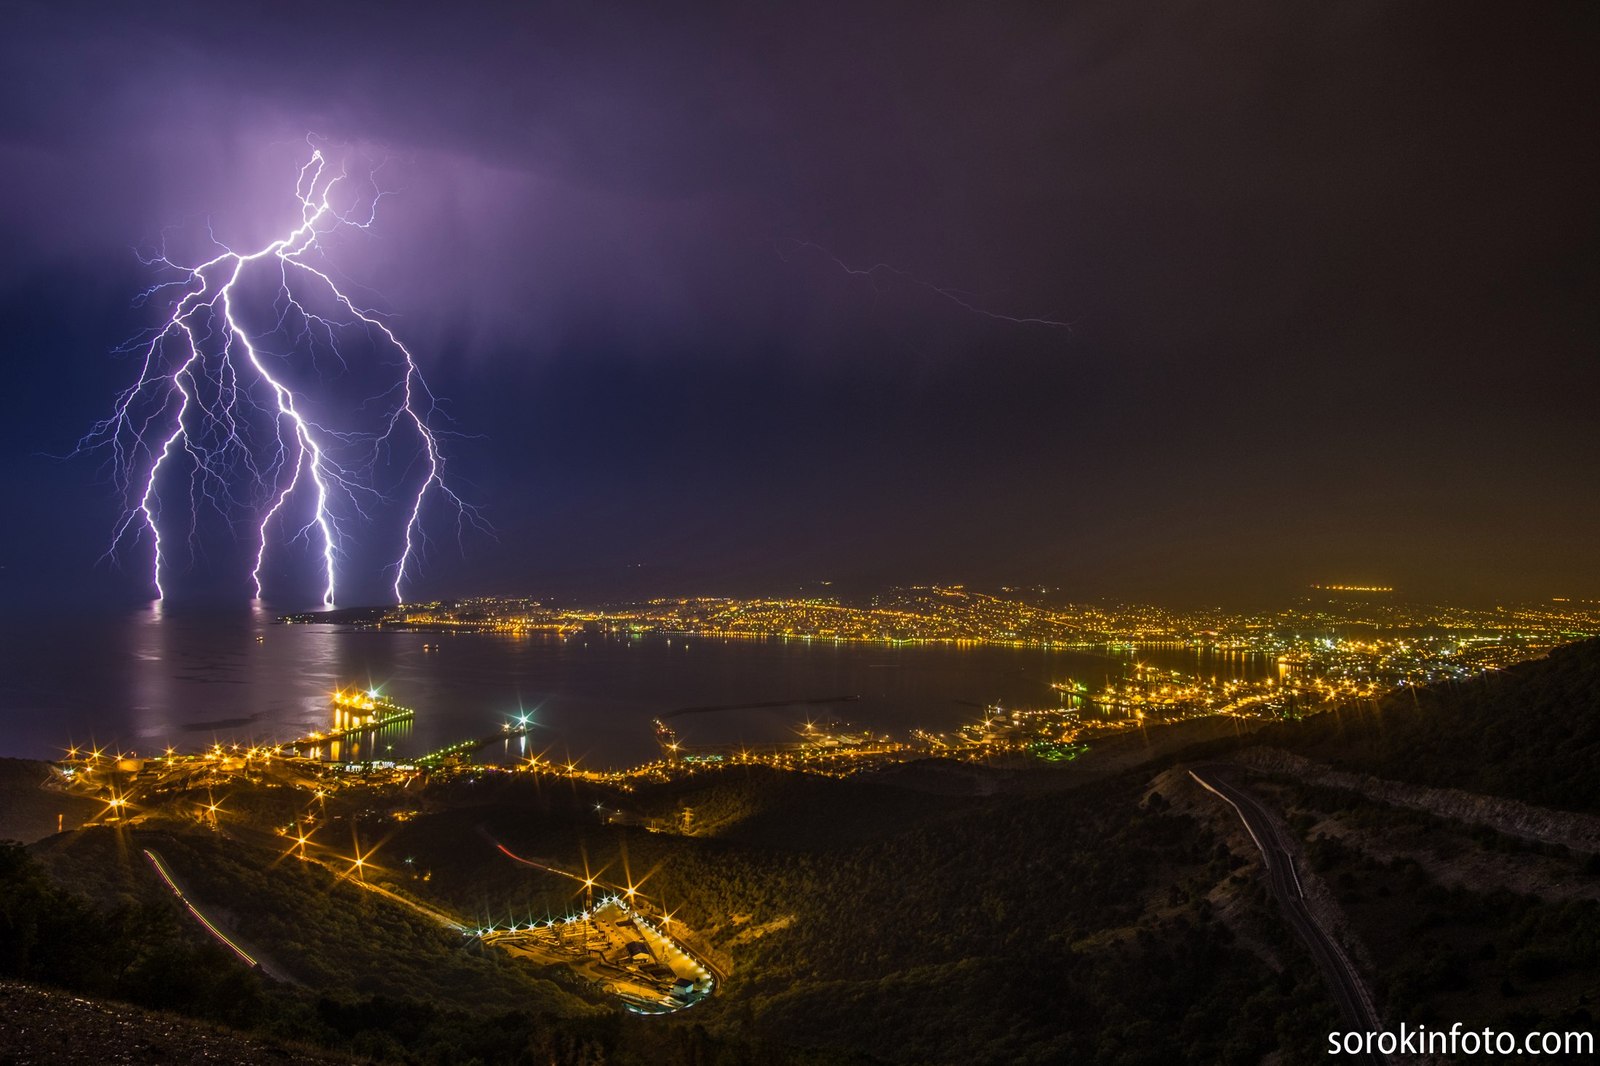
245 957
1277 854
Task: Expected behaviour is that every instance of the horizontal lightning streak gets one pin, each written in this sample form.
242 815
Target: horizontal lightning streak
959 297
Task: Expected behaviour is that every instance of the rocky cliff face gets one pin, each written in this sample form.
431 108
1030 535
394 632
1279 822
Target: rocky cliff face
1581 832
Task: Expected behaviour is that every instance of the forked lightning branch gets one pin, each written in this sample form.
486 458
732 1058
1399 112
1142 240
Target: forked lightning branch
237 410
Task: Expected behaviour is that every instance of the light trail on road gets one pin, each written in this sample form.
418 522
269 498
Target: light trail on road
1349 991
161 869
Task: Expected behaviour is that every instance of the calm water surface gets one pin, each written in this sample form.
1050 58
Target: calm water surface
143 680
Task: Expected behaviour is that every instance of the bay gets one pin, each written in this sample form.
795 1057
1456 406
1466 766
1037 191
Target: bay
143 680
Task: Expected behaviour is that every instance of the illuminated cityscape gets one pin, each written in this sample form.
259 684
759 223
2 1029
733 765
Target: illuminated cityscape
958 615
1343 644
1322 654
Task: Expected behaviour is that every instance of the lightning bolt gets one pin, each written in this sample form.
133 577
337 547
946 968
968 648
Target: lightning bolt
965 300
215 415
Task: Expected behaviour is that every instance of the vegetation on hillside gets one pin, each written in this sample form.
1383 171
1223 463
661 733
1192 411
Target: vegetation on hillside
1014 929
1530 732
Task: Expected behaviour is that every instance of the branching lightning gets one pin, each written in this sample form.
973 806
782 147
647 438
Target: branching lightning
965 300
217 418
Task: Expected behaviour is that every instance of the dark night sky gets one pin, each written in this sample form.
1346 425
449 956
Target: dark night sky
1330 270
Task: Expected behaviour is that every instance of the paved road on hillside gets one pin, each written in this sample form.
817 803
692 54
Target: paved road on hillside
1278 854
166 875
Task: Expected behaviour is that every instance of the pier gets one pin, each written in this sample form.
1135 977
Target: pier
356 712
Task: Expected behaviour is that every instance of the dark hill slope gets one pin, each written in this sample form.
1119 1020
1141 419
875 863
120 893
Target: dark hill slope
29 811
1531 732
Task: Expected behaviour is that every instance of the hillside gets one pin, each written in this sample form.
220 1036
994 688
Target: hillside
1530 732
1450 835
44 1027
1006 929
30 811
